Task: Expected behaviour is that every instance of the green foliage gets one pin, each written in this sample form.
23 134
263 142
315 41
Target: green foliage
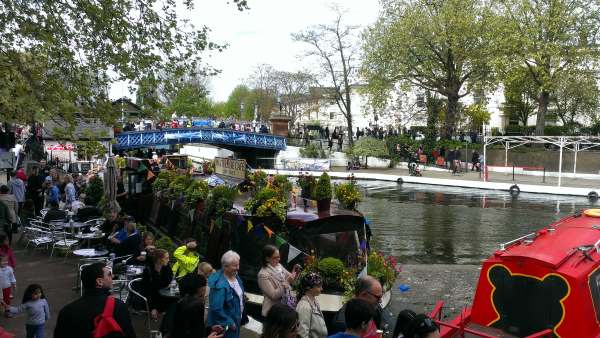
283 184
347 194
191 100
551 39
166 243
197 191
370 146
88 149
312 151
438 46
576 95
268 201
308 184
520 95
331 269
95 189
385 269
179 185
476 115
323 188
121 162
163 180
220 200
258 178
59 57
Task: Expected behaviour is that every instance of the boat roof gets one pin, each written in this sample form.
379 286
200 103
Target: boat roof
558 243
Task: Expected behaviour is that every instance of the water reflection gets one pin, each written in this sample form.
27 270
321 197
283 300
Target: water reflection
428 224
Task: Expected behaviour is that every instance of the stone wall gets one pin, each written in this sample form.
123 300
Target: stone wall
588 162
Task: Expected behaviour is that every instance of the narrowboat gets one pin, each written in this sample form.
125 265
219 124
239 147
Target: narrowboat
544 284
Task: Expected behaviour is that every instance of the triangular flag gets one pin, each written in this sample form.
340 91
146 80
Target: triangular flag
293 253
269 231
150 175
363 273
258 231
250 226
279 241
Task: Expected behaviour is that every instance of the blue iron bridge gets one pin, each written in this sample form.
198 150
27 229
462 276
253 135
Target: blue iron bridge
223 137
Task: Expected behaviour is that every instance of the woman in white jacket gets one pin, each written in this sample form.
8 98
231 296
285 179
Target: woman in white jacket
274 280
312 322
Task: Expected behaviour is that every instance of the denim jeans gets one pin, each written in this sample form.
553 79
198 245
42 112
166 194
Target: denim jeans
35 331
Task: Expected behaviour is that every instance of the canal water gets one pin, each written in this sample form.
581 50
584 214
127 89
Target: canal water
422 224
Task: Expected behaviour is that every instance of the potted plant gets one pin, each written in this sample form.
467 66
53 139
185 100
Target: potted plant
348 195
219 201
385 269
178 186
323 193
269 201
307 183
196 194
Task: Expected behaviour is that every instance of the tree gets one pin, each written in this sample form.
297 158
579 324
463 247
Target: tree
294 92
60 56
476 116
264 90
576 96
240 95
551 38
191 100
520 95
334 46
438 46
88 149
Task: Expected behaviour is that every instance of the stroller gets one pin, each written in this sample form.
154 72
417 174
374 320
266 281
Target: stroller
413 166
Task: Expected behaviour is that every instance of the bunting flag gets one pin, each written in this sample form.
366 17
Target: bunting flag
269 231
363 273
258 231
363 245
150 175
293 253
279 241
250 226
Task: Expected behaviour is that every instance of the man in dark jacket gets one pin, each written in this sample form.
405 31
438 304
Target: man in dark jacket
77 318
368 289
55 214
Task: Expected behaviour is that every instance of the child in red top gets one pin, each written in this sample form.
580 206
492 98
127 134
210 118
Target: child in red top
6 250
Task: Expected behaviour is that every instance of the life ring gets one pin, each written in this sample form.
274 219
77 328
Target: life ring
399 180
514 189
592 195
592 212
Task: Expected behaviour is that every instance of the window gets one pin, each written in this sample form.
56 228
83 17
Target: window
594 284
420 100
331 115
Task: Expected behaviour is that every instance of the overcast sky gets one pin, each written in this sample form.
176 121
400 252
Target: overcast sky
262 35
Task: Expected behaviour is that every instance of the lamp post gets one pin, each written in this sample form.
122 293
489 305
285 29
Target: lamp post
241 111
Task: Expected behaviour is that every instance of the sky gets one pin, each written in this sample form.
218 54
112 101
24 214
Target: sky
262 35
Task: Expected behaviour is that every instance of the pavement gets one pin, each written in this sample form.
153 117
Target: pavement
57 276
476 176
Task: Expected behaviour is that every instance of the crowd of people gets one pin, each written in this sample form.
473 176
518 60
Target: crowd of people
230 123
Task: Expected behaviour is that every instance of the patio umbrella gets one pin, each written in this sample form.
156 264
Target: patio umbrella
110 185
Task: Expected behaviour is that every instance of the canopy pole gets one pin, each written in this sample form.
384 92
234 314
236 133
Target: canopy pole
506 145
575 160
562 142
485 141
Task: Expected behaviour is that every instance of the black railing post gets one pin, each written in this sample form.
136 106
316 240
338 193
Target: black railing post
513 172
544 177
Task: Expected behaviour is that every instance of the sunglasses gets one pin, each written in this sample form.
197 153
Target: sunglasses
378 297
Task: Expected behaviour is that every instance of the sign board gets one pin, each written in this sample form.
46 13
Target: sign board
60 147
306 164
230 167
7 160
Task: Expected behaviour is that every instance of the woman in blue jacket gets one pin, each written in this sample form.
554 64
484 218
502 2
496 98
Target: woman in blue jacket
226 297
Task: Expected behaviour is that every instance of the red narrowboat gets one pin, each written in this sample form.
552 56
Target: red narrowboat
544 284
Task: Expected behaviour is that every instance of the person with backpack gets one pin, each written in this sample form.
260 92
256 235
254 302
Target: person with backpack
96 314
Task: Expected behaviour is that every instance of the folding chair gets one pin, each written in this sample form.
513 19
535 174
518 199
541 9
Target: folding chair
137 301
63 241
39 238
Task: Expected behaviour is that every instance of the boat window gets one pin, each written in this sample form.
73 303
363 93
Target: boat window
595 291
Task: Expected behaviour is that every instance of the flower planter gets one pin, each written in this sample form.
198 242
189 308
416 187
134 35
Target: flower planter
324 205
